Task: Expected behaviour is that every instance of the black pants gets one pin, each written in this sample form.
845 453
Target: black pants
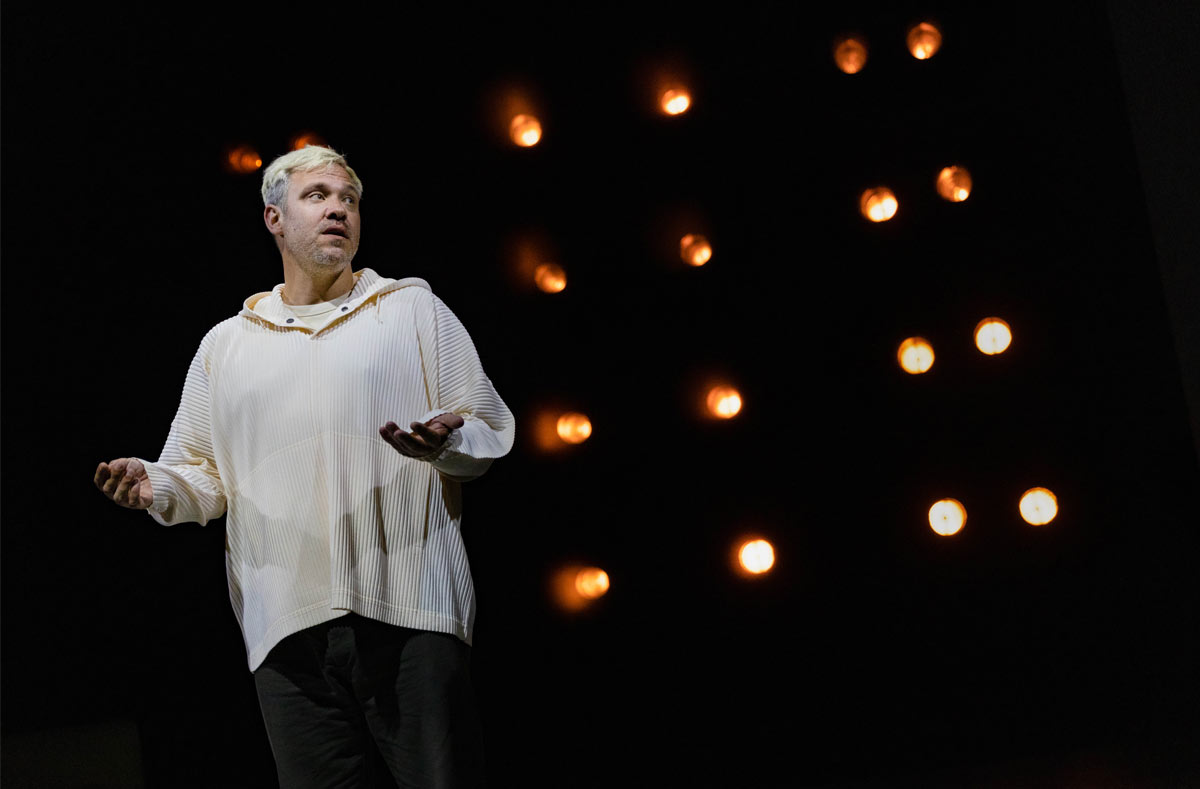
349 701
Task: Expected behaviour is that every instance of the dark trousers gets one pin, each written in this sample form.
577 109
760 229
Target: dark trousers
359 703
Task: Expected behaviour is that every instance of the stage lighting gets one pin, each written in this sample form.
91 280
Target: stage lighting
756 556
574 428
915 355
591 582
850 54
947 517
924 40
695 249
724 402
878 204
550 277
675 101
307 138
954 184
525 130
244 159
1038 506
993 336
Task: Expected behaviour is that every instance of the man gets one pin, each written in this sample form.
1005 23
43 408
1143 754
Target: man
346 566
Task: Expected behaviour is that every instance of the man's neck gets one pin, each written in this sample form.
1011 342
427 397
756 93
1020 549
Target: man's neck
312 287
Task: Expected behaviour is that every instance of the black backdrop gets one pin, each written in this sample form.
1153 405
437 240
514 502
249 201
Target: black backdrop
876 653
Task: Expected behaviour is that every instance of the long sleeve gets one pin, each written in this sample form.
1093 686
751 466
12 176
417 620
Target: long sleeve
460 386
186 481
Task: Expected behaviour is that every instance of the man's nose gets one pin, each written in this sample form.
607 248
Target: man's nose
335 210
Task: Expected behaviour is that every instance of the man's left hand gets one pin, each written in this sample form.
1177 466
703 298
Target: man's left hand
425 439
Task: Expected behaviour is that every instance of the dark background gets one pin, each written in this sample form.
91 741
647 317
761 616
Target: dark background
876 653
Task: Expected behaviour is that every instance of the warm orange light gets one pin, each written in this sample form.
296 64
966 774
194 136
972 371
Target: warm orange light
993 336
574 428
573 587
675 101
724 402
695 249
915 355
1038 506
924 40
244 159
525 130
307 138
756 556
947 517
850 54
550 277
878 204
591 582
954 184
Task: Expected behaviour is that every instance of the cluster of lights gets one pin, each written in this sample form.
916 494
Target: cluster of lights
923 40
879 203
576 586
1038 506
992 337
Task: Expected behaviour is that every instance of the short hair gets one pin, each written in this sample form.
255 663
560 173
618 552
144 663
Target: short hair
309 158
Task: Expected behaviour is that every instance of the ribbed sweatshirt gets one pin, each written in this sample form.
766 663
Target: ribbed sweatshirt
278 427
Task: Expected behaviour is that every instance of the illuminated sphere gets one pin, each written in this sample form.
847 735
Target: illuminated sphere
574 428
924 40
695 249
305 139
993 336
675 102
954 184
915 355
878 204
850 54
724 402
1038 506
947 517
550 277
525 130
244 159
757 556
591 582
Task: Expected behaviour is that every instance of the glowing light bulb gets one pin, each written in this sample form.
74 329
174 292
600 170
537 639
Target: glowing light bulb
947 517
1038 506
756 556
915 355
850 54
591 582
878 204
307 138
924 40
525 130
954 184
574 428
675 101
724 402
993 336
244 159
550 277
695 249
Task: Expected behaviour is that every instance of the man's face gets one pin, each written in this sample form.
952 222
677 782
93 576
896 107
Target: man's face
320 224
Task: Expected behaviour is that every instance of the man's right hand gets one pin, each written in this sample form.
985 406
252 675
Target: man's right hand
124 481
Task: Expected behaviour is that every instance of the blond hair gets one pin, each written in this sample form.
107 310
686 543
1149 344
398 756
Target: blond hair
306 159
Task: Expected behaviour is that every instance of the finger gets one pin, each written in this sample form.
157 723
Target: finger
116 475
433 435
410 444
121 494
102 475
450 420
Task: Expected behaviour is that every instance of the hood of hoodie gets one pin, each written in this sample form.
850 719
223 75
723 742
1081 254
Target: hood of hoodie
268 306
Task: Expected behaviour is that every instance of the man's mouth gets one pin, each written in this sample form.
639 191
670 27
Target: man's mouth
335 231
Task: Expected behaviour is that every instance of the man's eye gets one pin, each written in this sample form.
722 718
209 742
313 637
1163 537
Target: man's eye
317 195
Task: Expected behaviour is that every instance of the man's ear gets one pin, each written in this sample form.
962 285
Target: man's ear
274 219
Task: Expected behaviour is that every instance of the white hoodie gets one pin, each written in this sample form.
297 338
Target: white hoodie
279 425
